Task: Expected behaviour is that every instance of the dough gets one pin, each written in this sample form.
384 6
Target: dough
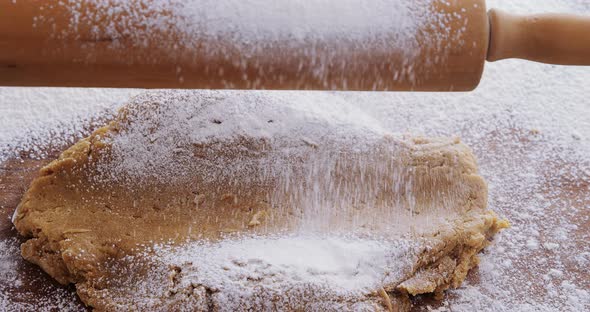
178 168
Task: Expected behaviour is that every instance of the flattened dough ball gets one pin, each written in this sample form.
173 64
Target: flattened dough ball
180 167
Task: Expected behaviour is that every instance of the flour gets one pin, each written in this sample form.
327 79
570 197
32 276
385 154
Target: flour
246 273
15 293
7 263
252 22
348 264
317 38
33 124
204 139
156 142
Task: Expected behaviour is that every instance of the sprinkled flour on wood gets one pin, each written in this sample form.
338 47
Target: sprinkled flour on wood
254 21
19 290
231 39
32 123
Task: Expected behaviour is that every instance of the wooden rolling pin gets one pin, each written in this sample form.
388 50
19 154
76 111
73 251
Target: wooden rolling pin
51 43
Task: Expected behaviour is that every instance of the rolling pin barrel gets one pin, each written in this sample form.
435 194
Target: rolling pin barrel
445 54
105 48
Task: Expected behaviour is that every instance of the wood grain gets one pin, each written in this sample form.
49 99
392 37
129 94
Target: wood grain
547 38
35 56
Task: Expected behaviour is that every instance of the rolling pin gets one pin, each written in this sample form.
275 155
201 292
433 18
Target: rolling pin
140 44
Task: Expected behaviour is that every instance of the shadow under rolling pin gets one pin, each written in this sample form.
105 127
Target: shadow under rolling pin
425 45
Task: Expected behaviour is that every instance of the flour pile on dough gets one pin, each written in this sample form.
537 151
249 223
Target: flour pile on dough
266 273
162 125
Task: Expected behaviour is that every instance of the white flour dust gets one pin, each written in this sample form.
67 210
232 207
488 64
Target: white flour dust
30 123
246 22
243 273
271 139
348 264
154 143
318 38
16 287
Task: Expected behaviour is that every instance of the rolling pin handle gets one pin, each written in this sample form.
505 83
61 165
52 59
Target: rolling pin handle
561 39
